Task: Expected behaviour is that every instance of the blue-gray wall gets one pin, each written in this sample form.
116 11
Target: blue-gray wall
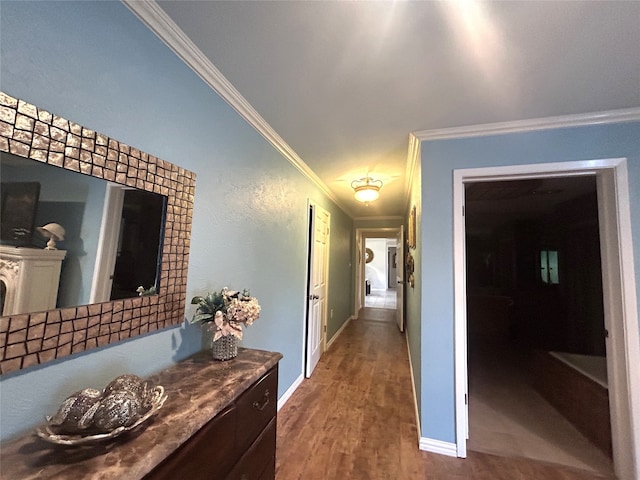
439 159
96 64
341 273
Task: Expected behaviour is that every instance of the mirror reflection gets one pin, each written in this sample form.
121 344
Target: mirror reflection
109 245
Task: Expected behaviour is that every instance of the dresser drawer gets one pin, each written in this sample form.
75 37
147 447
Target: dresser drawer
235 444
259 462
256 407
205 455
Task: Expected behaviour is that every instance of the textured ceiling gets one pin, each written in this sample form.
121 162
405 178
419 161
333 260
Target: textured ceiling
345 83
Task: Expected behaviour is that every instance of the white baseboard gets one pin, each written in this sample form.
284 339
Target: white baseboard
337 334
286 395
413 387
438 446
428 444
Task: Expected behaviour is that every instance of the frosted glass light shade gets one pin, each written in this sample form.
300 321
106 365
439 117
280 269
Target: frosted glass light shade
366 189
367 194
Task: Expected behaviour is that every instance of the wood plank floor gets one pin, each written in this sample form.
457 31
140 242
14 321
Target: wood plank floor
355 419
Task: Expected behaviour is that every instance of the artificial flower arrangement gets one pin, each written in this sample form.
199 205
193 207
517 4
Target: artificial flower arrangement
226 311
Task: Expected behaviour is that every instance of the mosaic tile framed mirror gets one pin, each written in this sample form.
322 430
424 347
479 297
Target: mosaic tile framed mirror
33 335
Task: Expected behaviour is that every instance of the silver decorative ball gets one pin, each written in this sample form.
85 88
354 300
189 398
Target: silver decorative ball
130 382
118 409
76 412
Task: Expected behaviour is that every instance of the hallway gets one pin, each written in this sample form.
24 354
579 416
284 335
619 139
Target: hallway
355 419
379 298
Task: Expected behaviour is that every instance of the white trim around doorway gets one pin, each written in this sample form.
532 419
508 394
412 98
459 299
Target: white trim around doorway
619 294
361 236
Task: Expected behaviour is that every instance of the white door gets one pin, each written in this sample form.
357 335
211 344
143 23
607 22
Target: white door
400 252
317 295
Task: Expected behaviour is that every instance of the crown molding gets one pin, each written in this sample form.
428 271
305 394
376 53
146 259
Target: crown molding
413 156
530 125
150 13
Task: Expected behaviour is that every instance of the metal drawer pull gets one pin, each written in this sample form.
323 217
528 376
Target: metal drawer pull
265 401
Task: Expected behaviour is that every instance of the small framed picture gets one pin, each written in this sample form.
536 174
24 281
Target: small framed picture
411 234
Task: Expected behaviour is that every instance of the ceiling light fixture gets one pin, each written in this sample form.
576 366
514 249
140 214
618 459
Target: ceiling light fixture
366 189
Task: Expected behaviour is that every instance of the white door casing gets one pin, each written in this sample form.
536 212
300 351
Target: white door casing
621 319
361 236
400 253
360 290
318 285
619 295
108 244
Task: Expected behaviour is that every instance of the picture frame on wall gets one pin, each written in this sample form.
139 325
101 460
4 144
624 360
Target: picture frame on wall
18 208
411 230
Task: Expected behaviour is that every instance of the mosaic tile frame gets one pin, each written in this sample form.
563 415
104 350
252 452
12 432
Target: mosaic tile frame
31 339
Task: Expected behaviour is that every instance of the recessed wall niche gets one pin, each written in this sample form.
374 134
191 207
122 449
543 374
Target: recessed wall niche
34 338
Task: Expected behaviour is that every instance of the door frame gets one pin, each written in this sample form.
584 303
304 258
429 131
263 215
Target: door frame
401 283
108 244
360 238
619 295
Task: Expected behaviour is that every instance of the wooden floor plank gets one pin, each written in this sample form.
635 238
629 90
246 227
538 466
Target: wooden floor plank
355 419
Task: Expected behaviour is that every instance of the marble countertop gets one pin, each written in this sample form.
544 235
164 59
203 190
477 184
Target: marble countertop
197 389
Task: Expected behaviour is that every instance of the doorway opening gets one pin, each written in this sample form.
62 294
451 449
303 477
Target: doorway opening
619 296
140 239
534 298
380 269
129 253
390 245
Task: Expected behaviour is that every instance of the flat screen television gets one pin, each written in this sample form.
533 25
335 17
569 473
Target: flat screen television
18 212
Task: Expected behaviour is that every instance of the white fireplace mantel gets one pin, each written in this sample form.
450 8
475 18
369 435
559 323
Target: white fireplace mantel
31 277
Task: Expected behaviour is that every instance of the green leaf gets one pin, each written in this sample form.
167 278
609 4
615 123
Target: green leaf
201 317
196 300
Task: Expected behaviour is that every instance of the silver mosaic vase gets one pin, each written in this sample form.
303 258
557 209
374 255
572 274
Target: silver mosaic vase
225 348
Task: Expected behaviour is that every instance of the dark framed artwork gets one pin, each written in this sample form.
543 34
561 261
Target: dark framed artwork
19 208
411 230
409 270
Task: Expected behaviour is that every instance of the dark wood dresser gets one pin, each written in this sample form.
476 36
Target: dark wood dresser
237 444
219 422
